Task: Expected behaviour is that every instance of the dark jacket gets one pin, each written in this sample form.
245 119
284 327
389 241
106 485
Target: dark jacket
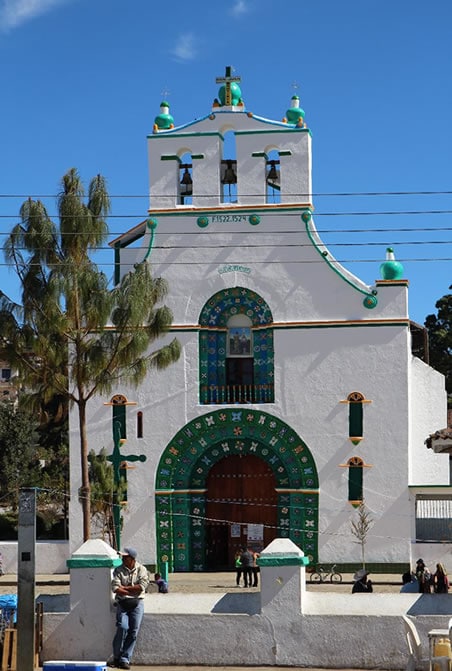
246 559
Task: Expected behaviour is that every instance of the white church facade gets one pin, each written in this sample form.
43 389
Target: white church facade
297 395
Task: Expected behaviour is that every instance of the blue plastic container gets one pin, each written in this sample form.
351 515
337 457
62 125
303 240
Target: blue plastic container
74 666
8 609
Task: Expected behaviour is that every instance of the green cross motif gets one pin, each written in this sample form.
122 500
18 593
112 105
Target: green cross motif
117 459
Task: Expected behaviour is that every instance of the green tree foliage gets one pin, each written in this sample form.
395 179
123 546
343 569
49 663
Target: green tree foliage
439 329
20 464
73 336
360 528
104 494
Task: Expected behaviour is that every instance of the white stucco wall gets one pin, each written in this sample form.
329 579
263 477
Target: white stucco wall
310 383
327 344
428 412
51 557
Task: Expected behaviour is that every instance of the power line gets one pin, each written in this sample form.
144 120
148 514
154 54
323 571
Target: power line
267 262
328 194
227 211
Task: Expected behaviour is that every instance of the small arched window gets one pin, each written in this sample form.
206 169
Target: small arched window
119 402
355 402
355 480
355 467
119 413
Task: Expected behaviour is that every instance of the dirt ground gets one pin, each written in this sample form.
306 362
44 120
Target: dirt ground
192 583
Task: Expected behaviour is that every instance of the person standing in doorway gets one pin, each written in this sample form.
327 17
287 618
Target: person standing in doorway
129 585
246 560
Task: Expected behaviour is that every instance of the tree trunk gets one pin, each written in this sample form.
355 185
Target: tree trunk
85 490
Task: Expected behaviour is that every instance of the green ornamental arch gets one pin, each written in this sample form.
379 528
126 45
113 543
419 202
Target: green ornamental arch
180 491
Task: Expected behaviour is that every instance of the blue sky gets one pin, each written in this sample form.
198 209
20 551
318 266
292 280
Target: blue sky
82 81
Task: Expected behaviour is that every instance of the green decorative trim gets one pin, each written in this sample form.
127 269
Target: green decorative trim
274 130
202 222
170 157
237 300
283 561
259 154
213 346
198 156
171 133
285 152
184 467
93 561
151 224
372 301
254 219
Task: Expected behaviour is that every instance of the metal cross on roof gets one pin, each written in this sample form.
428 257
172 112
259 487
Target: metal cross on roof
227 81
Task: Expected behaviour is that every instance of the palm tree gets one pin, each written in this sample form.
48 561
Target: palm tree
73 335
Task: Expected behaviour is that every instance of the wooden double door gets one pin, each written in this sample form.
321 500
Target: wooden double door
241 508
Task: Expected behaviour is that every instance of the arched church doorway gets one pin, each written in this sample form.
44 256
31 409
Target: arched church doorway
241 508
184 482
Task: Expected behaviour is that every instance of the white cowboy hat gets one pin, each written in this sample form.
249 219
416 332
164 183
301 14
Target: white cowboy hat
359 575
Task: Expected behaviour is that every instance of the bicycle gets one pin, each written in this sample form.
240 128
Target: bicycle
320 575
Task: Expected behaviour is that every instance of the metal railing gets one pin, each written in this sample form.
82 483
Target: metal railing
237 393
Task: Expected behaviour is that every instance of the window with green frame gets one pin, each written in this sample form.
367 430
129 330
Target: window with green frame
236 354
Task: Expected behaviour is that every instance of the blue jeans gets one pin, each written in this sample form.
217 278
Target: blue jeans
127 626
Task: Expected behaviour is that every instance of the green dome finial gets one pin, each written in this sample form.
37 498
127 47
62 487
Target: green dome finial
391 269
164 120
295 114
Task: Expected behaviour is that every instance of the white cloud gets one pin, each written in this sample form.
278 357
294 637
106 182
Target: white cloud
240 8
15 12
185 48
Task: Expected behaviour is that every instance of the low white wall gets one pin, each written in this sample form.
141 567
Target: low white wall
51 557
283 625
351 639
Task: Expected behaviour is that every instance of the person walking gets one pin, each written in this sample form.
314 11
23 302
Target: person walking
246 560
128 585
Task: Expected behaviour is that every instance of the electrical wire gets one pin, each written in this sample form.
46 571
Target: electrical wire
228 521
298 195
